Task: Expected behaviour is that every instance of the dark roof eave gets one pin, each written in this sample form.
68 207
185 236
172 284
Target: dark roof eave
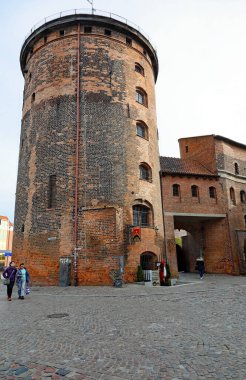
163 173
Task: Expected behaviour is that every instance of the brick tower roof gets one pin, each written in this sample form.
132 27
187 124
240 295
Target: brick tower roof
173 165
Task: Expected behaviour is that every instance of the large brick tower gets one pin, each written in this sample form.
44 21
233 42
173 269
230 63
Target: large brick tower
88 188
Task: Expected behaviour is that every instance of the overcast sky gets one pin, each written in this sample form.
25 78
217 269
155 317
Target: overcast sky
201 88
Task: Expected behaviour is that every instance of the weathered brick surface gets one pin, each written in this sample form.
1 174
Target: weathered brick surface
110 153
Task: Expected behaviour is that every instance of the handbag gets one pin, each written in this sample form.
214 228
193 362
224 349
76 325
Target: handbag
6 281
27 290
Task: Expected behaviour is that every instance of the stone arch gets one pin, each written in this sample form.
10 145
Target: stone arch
148 260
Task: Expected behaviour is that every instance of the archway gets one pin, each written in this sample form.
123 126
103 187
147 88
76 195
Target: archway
148 261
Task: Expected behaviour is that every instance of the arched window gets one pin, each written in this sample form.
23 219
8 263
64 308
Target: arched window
139 69
142 129
176 190
232 196
141 97
236 168
141 215
242 196
212 192
245 220
194 191
145 171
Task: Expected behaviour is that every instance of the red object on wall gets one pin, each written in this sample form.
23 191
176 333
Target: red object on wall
136 232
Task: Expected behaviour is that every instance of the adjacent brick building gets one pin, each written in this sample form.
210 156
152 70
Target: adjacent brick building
89 163
204 193
6 239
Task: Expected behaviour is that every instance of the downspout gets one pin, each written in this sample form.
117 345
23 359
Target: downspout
75 258
164 228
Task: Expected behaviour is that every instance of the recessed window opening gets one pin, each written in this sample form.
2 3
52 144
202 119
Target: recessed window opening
186 149
141 97
128 41
31 50
242 196
142 130
145 172
176 190
88 29
212 192
30 76
194 191
22 143
245 220
232 196
141 215
45 39
33 97
236 166
145 52
139 69
52 191
62 32
22 227
107 32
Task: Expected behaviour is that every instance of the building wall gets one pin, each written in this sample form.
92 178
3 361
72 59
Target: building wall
201 149
110 153
227 155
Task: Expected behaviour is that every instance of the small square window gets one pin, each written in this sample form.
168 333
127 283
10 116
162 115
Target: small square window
87 29
128 41
62 32
107 32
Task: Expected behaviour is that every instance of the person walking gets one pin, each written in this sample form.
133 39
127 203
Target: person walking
200 266
23 279
9 274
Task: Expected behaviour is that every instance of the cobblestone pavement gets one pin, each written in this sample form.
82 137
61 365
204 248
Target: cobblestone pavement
193 331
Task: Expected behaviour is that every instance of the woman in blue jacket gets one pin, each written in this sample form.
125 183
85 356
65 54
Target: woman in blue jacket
23 279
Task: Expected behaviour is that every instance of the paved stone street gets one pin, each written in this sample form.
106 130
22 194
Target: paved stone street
193 331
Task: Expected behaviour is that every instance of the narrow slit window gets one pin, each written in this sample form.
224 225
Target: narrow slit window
242 196
33 97
128 41
176 190
52 191
236 166
212 192
194 191
232 196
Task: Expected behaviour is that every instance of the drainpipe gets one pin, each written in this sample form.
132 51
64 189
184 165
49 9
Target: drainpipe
164 228
75 255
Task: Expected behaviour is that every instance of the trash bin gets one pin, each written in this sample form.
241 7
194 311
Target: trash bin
65 271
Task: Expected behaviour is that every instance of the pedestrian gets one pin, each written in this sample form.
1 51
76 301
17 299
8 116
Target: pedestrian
9 274
200 266
23 279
